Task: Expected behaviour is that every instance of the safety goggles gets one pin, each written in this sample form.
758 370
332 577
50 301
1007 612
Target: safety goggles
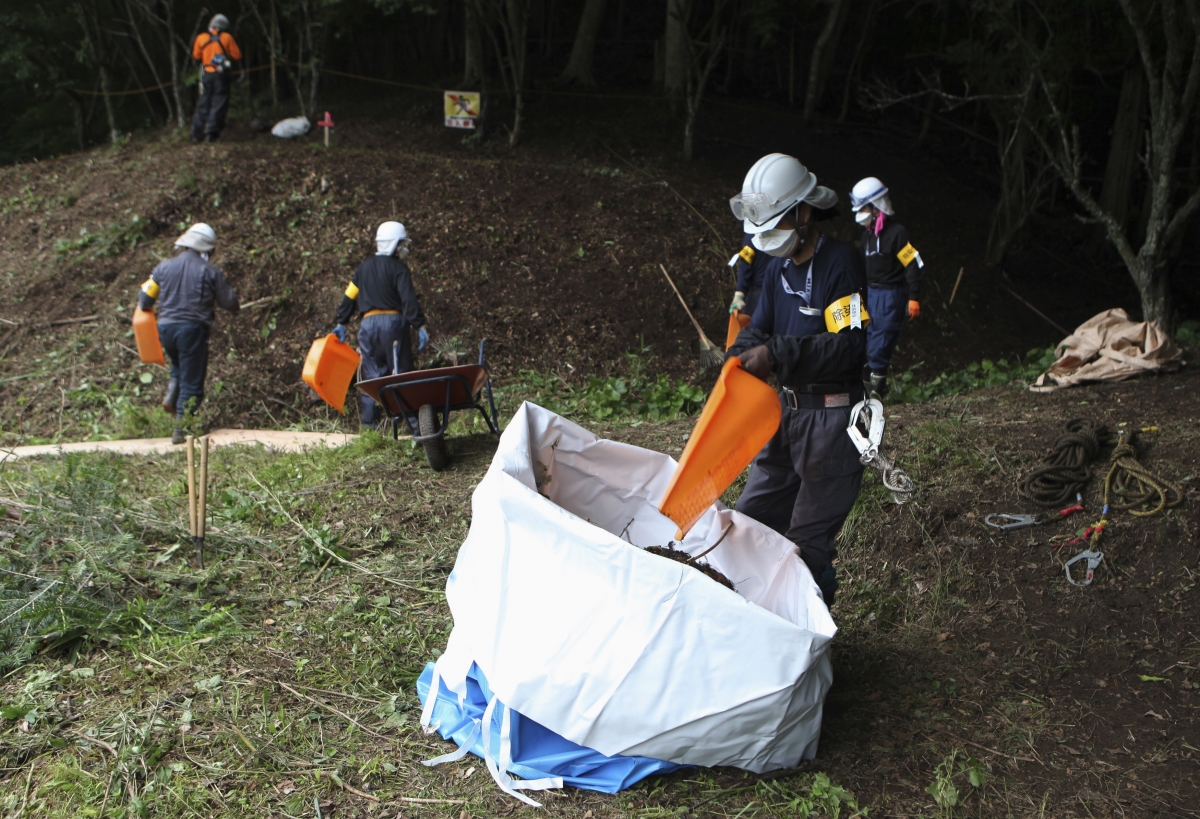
757 207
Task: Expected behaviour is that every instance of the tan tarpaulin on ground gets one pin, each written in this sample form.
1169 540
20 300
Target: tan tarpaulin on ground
1110 347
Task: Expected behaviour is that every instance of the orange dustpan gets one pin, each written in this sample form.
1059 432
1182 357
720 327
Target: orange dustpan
329 368
738 321
145 333
741 415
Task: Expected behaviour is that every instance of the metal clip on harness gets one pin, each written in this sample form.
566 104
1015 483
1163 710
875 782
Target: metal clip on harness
1093 560
870 449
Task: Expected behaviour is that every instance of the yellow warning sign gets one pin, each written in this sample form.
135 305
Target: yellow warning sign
462 109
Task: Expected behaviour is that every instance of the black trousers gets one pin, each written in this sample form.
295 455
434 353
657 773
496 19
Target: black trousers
803 485
186 345
212 106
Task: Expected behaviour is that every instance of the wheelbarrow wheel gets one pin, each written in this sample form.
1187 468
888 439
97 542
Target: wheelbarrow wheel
435 449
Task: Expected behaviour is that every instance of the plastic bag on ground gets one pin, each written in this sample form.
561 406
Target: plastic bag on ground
618 650
291 128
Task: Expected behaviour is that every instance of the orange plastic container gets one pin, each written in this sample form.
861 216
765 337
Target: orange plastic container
741 415
145 332
329 368
737 322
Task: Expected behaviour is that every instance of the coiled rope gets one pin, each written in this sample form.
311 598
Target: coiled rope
894 478
1067 469
1129 484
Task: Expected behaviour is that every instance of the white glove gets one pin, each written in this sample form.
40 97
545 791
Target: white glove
739 302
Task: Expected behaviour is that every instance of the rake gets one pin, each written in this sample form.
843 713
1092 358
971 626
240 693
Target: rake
710 354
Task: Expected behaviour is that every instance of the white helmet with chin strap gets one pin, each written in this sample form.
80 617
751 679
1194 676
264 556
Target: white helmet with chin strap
388 237
870 191
774 185
199 237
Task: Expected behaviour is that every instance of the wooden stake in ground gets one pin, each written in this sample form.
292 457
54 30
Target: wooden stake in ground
710 354
191 485
197 496
202 519
327 124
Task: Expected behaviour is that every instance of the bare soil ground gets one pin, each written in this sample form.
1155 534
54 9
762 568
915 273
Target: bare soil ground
957 643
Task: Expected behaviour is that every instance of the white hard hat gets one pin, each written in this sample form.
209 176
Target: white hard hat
870 191
220 22
199 237
773 186
388 236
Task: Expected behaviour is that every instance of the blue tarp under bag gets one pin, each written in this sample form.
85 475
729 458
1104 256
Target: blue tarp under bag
535 753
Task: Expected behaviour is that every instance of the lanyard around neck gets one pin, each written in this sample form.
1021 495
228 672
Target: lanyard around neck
807 294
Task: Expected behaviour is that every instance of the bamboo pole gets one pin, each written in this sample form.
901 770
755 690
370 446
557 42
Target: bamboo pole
202 517
191 484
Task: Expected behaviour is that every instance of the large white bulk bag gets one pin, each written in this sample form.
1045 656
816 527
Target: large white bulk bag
619 650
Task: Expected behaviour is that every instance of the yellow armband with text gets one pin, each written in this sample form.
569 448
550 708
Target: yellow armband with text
352 291
907 254
747 254
849 311
150 288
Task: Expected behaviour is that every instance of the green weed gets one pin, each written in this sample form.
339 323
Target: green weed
636 395
950 771
1188 332
114 239
906 388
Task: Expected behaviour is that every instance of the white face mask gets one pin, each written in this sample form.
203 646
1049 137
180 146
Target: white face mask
779 243
863 217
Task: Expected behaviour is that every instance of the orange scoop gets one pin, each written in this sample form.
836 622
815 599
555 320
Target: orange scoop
738 321
329 368
741 415
145 332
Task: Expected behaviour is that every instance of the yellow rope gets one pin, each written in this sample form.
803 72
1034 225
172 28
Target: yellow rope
1135 485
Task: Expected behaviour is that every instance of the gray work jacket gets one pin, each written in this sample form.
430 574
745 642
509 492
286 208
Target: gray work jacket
185 288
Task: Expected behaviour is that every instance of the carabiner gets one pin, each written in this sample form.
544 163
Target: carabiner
1006 522
1093 560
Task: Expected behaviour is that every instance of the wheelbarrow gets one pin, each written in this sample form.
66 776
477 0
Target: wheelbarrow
424 399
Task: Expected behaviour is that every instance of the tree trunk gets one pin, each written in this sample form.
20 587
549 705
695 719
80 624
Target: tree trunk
472 48
1121 171
856 62
579 67
675 59
1154 286
114 135
176 80
818 64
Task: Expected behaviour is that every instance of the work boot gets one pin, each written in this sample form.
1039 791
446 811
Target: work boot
878 386
172 397
178 436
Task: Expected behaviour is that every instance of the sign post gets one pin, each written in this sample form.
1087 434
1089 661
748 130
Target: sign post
462 109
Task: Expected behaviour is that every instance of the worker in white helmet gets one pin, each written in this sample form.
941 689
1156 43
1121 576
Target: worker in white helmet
181 292
809 331
893 277
382 291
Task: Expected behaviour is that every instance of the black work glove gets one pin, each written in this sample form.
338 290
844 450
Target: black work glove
758 361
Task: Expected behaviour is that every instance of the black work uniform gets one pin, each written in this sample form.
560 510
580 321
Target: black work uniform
751 265
893 272
381 290
185 289
806 479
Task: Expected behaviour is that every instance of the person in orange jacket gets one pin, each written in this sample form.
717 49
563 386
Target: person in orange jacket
216 50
